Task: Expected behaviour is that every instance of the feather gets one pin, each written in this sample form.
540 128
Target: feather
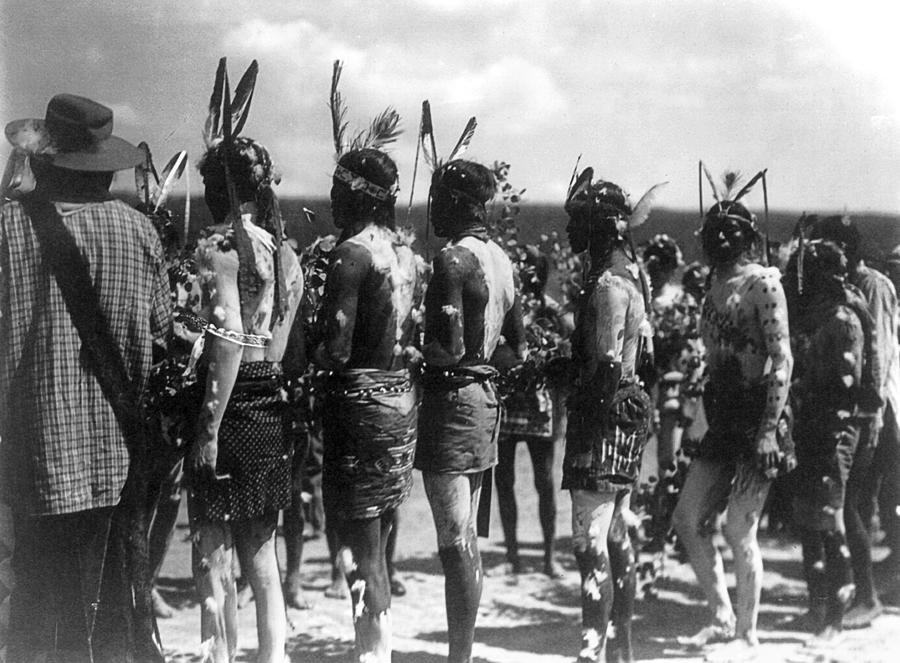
383 130
572 179
749 185
211 129
227 134
170 175
582 183
338 110
712 184
429 151
463 143
144 186
243 95
644 205
730 179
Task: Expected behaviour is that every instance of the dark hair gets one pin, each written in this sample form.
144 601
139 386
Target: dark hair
729 231
839 229
376 167
824 272
73 186
248 162
664 251
460 189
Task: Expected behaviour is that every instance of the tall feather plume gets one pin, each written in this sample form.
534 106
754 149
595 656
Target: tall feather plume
243 95
642 210
572 179
582 183
463 143
429 150
383 130
730 180
749 185
338 109
712 183
143 185
211 128
170 175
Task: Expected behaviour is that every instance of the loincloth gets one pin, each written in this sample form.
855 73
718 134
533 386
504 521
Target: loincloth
255 451
459 420
528 416
614 433
369 427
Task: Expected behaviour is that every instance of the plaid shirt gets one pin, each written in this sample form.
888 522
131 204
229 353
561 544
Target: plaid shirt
62 450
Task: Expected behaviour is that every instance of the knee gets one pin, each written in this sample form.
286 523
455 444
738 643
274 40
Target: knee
740 535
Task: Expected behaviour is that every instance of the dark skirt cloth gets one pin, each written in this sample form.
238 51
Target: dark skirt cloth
255 450
369 427
825 450
528 416
459 421
733 412
614 434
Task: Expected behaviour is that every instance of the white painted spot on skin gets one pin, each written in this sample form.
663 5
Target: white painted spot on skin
341 318
449 310
358 589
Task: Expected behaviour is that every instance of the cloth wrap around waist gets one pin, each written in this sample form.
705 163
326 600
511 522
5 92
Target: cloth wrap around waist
614 433
369 429
253 466
734 412
459 420
528 415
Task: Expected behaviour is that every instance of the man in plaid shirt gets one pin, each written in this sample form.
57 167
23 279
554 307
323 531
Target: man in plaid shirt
63 458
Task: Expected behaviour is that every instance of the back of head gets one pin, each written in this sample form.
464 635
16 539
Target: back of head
839 229
729 232
662 252
365 187
817 269
598 214
460 190
251 170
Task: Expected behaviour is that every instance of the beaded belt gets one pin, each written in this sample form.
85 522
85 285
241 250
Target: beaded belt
364 392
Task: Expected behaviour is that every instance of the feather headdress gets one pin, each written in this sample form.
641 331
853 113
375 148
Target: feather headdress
382 131
724 194
226 119
583 190
153 189
429 148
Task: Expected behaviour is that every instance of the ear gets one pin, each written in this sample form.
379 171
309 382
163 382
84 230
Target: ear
582 183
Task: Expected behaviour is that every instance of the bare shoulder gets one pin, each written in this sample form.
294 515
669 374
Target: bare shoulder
351 255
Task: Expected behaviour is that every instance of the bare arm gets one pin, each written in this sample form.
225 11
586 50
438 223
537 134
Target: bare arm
224 311
772 315
339 303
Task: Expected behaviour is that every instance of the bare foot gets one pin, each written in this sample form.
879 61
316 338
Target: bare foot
294 596
397 587
552 569
337 589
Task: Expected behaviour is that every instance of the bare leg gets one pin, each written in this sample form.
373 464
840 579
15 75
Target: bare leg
706 483
161 530
592 514
505 481
454 506
255 541
212 555
397 586
745 507
362 559
623 563
293 523
542 457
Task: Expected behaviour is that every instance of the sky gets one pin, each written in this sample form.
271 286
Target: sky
641 89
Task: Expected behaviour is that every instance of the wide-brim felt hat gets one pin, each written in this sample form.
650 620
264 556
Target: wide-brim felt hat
75 134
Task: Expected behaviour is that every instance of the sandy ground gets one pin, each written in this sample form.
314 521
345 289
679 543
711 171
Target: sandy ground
528 619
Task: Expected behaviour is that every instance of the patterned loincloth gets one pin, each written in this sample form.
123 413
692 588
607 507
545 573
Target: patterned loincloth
369 426
255 451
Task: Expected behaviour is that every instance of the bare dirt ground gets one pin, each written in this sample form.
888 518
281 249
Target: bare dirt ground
528 619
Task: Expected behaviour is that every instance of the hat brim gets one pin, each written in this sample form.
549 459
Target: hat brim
111 154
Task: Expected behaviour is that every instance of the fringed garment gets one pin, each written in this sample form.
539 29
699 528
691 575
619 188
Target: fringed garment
369 424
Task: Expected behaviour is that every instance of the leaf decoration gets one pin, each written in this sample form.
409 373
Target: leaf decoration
644 206
463 143
338 109
243 95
